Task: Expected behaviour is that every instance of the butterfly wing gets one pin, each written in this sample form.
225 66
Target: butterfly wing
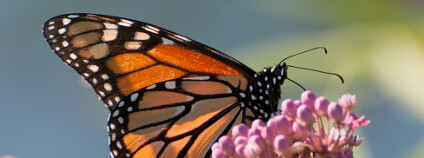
194 113
140 70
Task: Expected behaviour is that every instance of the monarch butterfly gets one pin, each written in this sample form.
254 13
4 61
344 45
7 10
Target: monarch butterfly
168 96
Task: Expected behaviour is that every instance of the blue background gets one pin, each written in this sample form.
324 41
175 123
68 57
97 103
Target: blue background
47 110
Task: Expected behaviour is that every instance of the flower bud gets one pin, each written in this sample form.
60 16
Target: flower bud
308 98
281 145
227 145
321 106
289 108
335 112
300 131
254 131
304 115
280 125
267 134
240 130
258 123
240 140
240 150
254 146
218 154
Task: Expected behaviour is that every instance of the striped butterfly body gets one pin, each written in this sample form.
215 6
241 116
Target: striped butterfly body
168 96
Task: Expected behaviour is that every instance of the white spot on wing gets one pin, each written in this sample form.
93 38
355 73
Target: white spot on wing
170 84
119 145
101 93
112 126
132 45
166 41
141 36
182 37
126 23
73 56
107 86
94 81
113 137
151 29
115 113
65 43
73 16
50 28
151 86
134 97
105 76
121 104
242 105
93 68
117 99
66 21
61 31
242 94
121 120
110 26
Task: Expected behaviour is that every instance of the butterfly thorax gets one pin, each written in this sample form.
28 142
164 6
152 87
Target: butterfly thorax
265 89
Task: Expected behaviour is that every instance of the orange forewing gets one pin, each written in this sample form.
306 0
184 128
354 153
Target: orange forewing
192 60
143 78
182 62
128 62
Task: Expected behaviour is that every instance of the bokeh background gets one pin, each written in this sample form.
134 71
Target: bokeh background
48 111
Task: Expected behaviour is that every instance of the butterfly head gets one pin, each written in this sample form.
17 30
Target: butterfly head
279 71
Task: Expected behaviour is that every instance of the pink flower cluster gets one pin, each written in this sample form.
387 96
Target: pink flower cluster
310 127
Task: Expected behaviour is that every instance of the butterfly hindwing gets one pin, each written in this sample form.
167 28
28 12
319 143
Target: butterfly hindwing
187 121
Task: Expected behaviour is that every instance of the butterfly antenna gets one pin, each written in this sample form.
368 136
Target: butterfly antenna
325 51
302 68
296 83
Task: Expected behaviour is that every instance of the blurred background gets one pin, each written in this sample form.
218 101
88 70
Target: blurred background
47 110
